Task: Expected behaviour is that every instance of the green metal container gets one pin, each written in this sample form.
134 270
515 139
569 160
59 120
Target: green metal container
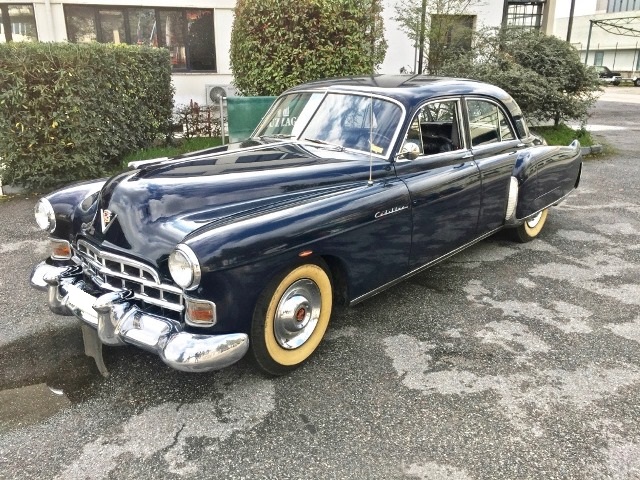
244 114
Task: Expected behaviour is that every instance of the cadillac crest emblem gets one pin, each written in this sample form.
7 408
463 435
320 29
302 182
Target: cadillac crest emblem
107 217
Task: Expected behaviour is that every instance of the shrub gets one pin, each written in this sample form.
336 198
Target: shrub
544 74
276 44
71 111
197 120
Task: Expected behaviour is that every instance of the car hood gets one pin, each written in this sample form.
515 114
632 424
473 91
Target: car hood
146 212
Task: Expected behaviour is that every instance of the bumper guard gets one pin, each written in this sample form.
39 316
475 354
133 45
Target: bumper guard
118 321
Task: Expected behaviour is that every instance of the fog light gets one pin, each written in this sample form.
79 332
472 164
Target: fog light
60 249
200 313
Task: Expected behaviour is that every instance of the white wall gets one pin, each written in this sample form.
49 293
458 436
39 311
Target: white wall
582 7
619 50
401 51
51 27
191 86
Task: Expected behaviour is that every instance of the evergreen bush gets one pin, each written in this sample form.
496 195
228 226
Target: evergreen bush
71 111
543 73
277 44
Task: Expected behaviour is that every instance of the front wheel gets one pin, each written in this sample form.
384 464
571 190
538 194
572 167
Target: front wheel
637 82
531 228
290 319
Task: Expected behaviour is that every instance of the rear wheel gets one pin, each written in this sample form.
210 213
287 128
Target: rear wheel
291 318
531 228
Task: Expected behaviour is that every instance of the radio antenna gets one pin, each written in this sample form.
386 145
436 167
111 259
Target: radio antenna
370 182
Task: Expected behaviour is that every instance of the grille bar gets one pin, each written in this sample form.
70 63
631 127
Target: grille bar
110 271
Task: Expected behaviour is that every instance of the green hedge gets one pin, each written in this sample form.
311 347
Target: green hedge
276 44
70 111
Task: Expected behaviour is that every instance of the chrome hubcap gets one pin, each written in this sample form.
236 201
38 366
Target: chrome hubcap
297 314
533 221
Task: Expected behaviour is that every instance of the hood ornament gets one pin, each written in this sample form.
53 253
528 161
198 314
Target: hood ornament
106 217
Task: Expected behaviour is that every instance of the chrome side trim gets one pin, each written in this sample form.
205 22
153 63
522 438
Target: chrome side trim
560 200
516 222
420 269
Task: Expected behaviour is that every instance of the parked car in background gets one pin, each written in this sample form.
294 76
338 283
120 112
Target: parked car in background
347 187
607 76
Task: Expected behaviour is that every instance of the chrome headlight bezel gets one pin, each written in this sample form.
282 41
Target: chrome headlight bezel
45 215
184 267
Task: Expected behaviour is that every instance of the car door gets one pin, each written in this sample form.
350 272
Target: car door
443 181
495 147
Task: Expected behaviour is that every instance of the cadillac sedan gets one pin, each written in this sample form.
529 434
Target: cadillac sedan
347 187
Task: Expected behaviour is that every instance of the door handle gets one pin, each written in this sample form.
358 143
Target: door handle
467 155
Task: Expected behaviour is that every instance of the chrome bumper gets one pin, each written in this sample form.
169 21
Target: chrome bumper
118 321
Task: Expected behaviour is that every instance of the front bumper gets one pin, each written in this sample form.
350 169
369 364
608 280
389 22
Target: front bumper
119 321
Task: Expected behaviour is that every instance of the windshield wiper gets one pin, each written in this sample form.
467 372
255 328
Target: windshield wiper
275 135
333 146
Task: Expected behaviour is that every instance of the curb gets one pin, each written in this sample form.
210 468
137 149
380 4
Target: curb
11 190
592 150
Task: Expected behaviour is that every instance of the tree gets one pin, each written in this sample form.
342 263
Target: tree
543 73
276 44
447 27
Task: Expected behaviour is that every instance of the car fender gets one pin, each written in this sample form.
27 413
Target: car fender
342 229
73 204
545 174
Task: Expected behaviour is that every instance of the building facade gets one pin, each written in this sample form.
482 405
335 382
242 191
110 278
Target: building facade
605 32
197 33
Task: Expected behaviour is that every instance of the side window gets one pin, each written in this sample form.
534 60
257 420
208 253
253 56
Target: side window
435 129
487 123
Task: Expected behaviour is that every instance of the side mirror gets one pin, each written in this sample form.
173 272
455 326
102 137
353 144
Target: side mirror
410 151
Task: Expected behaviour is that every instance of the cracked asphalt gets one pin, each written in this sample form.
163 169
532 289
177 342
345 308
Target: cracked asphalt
508 361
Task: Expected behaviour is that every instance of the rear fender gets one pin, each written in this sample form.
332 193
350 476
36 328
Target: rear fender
546 175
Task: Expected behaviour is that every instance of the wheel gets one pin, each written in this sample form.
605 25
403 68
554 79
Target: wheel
531 228
637 82
291 317
616 83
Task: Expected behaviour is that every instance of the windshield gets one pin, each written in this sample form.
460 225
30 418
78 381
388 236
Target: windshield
334 120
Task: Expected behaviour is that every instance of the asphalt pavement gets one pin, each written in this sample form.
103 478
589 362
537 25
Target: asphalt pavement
508 361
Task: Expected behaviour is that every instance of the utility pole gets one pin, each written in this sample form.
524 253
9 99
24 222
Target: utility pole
570 26
423 16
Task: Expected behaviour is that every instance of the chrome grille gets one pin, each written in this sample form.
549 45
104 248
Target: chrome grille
115 272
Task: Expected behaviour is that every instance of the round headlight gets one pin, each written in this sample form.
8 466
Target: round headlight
45 216
184 267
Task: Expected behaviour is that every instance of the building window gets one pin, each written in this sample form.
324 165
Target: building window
449 37
187 33
598 58
524 14
17 24
623 5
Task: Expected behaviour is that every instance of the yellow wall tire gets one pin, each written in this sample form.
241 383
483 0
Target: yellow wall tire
270 355
531 228
534 229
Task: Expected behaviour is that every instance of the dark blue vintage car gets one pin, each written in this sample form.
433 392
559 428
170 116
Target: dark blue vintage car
347 187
